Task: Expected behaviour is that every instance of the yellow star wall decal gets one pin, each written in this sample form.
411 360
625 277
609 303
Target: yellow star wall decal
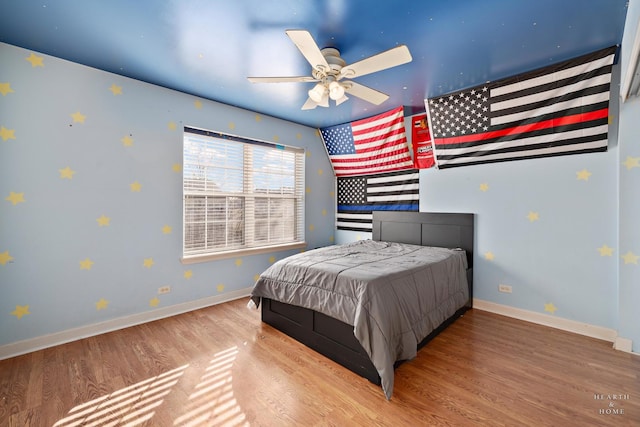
238 262
127 141
198 104
78 117
272 259
20 311
188 274
583 175
66 173
5 258
15 198
7 133
135 187
276 138
550 308
102 304
324 212
115 89
232 125
320 172
166 229
256 277
632 162
533 216
148 262
172 126
86 264
36 61
177 167
312 227
489 256
154 302
605 250
220 287
630 258
5 88
484 187
103 221
258 117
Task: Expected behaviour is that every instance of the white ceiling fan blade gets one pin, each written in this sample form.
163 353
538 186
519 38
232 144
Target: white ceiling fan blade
364 92
292 79
387 59
310 104
308 47
341 100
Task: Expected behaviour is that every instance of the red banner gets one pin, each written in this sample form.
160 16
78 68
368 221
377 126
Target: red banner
421 141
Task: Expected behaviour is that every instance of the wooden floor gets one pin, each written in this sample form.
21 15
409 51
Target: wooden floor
221 366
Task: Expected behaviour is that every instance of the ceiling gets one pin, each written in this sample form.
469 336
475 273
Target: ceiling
209 48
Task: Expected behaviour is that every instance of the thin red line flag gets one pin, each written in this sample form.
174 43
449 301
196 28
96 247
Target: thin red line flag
557 110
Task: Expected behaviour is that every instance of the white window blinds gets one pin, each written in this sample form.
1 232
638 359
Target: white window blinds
240 194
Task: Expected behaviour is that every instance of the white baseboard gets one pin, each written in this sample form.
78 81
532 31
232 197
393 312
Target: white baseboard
623 344
46 341
598 332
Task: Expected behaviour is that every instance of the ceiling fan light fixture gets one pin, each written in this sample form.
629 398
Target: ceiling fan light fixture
324 101
336 91
317 92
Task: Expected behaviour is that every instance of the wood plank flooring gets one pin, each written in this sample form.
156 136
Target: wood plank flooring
221 366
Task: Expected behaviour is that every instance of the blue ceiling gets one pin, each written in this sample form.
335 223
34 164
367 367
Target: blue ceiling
209 48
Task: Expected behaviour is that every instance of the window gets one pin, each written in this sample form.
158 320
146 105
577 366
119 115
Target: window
240 196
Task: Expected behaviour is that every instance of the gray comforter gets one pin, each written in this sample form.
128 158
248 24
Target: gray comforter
393 294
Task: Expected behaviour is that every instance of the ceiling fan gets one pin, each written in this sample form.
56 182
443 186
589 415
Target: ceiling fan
332 75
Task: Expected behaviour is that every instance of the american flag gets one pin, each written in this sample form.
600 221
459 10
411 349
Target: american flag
560 109
359 196
373 145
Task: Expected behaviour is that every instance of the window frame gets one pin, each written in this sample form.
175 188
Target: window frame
249 244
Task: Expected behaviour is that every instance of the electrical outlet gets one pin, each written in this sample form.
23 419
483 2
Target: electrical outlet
164 290
504 288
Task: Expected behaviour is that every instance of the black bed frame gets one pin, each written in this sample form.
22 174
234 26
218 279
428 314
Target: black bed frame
333 338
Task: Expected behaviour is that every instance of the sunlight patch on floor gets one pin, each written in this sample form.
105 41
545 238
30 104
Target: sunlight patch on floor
129 406
212 400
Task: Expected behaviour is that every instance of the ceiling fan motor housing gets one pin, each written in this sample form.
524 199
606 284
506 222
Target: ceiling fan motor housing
336 63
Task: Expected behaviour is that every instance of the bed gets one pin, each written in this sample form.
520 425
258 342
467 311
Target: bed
337 300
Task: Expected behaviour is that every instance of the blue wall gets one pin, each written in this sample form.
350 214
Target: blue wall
629 196
567 262
119 203
552 260
577 257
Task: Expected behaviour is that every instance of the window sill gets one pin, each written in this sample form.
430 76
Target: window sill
193 259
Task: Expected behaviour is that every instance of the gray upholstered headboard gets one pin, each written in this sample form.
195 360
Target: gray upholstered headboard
449 230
